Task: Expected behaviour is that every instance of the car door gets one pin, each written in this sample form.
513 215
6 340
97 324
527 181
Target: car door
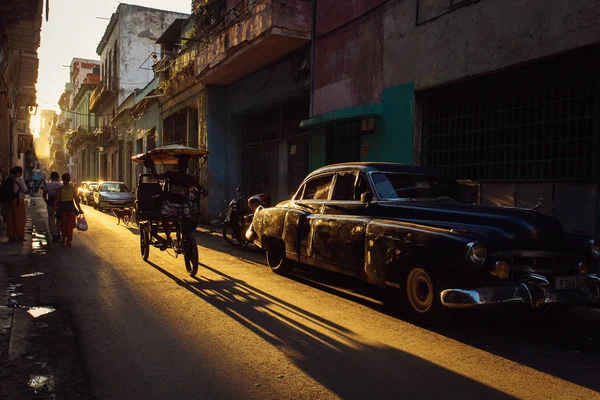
340 232
308 206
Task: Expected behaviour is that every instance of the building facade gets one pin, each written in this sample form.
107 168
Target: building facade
240 87
497 93
20 23
125 65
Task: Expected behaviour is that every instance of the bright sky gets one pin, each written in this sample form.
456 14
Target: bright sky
73 30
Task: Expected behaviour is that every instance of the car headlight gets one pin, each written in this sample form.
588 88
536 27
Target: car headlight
594 248
476 253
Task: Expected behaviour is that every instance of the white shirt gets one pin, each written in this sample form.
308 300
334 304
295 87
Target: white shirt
20 184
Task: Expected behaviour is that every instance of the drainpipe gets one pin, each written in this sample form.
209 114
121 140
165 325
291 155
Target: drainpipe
312 55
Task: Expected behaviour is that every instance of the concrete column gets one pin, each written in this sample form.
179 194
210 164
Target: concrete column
282 171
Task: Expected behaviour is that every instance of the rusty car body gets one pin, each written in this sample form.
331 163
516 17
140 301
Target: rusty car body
413 228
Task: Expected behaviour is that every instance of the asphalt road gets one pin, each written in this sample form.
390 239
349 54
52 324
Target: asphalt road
149 331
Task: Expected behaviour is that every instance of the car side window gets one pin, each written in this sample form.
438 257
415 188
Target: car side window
344 186
361 186
317 188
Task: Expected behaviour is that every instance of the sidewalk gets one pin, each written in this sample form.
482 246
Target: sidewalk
39 355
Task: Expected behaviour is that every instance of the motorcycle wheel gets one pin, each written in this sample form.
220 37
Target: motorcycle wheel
190 255
229 235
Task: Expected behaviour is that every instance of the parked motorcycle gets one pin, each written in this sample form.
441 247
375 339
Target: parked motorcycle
237 221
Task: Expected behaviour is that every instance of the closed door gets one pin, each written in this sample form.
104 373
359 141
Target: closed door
343 142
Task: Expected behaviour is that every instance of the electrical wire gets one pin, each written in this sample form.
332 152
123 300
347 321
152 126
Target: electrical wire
73 112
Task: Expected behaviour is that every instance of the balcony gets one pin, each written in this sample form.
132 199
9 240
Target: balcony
106 136
103 91
249 36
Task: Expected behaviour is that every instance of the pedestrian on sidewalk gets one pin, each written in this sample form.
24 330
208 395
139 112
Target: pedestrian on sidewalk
49 190
16 211
67 207
30 186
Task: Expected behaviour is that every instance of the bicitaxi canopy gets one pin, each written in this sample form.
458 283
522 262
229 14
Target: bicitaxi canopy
169 154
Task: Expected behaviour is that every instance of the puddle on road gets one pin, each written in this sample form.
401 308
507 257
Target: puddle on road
32 274
39 243
39 382
39 311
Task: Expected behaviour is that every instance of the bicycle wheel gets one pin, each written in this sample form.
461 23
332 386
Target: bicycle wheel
230 235
190 255
144 244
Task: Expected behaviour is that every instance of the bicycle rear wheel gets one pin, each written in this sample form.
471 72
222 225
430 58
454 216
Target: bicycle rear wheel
190 255
144 244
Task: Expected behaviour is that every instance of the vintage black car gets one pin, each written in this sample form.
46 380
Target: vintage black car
414 229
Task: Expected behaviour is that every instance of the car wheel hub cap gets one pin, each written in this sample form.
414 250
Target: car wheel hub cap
419 290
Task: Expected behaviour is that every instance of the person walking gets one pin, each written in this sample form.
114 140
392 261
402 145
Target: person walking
65 207
49 190
30 186
16 212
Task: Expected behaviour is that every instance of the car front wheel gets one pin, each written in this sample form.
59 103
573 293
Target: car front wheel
421 299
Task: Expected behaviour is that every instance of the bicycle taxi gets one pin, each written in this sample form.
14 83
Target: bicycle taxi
148 207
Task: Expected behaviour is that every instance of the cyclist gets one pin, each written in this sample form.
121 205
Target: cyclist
175 193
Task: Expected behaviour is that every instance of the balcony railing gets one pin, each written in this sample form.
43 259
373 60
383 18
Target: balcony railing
253 33
106 136
102 90
217 23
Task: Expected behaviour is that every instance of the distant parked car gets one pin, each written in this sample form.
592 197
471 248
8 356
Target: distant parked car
414 229
86 192
112 195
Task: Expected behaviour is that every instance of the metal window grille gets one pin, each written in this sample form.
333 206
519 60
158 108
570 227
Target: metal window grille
262 126
261 133
294 112
541 134
151 140
259 172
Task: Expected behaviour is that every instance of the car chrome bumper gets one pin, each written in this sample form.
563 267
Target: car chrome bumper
534 292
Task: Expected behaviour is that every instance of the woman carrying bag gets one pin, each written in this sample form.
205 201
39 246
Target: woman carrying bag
66 206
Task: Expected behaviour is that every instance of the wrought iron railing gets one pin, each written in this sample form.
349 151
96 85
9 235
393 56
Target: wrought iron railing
215 23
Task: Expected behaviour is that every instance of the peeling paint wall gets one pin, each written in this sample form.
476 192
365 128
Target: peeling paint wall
139 27
349 66
363 47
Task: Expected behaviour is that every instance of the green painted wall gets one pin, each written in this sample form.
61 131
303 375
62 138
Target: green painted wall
317 145
392 140
393 137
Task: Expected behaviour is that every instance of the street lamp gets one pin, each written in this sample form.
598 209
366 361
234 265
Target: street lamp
32 109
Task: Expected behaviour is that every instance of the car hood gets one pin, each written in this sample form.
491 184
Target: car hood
500 227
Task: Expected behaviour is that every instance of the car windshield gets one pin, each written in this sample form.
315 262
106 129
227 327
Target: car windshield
114 187
92 187
397 186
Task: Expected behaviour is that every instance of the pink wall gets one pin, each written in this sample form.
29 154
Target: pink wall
335 13
349 65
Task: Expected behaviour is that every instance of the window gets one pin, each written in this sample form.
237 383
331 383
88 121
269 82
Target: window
344 186
317 188
361 187
114 187
416 187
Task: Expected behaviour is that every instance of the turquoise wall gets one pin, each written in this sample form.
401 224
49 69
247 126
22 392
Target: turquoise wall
317 150
393 140
393 136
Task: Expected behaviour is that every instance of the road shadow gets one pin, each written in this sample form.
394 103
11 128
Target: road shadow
328 352
565 348
568 349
